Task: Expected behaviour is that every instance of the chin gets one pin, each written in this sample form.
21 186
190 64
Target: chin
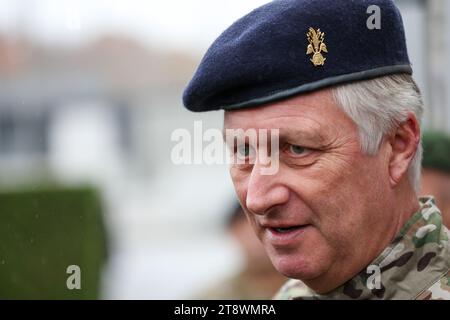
298 267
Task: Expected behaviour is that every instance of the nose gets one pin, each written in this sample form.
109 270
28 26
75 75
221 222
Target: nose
264 191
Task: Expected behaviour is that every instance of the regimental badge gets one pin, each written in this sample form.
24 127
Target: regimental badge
317 46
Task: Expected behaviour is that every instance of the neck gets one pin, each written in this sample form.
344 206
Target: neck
406 195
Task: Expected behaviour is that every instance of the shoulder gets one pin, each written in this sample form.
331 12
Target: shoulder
439 290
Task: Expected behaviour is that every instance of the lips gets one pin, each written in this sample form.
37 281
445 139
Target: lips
285 235
285 230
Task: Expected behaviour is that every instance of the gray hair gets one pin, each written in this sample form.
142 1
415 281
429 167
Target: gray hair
380 105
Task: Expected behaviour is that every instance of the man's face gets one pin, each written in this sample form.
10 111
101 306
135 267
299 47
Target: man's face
322 212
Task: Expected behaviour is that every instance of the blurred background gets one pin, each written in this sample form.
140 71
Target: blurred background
90 92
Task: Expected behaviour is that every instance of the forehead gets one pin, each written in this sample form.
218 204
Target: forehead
316 113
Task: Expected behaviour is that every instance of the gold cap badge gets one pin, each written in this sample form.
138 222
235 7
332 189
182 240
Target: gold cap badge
316 45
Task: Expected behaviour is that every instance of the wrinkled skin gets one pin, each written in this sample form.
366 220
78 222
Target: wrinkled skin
349 205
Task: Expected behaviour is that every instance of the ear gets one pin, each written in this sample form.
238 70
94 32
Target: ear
404 142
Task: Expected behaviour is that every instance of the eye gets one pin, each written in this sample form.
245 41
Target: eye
297 150
244 151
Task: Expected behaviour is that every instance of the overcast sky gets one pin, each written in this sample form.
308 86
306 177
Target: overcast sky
189 24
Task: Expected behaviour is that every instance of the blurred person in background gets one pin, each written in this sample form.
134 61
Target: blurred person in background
436 170
257 279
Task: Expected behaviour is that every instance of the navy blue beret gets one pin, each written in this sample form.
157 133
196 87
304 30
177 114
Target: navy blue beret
289 47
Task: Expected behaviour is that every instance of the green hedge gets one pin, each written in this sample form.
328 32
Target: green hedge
42 232
436 151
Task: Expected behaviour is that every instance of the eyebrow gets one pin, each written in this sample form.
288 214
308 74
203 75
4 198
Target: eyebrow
289 134
301 135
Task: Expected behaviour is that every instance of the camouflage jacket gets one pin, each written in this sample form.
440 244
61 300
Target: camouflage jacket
416 265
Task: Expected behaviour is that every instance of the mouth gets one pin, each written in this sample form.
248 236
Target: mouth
285 230
285 235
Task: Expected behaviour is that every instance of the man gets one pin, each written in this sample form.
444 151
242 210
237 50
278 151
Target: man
340 216
436 170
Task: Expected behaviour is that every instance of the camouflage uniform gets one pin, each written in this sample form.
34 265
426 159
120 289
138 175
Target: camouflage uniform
416 265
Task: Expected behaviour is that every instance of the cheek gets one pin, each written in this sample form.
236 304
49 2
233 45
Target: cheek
339 222
336 192
239 180
342 180
326 187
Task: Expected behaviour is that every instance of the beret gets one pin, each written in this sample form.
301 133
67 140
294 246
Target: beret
289 47
436 151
